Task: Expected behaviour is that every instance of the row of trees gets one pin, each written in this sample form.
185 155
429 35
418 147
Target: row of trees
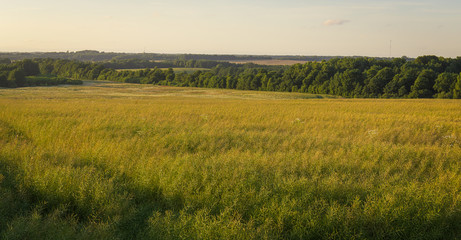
14 75
57 71
45 72
424 77
140 63
145 76
69 68
97 56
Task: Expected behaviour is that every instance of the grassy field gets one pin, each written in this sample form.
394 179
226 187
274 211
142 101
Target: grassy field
176 70
121 161
272 62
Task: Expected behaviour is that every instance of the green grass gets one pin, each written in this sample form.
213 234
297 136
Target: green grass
121 161
187 70
176 70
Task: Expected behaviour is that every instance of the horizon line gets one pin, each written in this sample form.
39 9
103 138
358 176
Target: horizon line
223 54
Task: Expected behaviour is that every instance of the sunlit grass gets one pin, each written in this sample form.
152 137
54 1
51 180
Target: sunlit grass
108 160
176 70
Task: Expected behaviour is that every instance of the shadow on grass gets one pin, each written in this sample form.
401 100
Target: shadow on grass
127 214
25 208
13 202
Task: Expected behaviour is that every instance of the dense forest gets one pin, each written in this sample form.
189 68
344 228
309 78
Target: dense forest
36 73
424 77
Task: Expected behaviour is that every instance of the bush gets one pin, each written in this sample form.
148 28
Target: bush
3 80
47 80
17 78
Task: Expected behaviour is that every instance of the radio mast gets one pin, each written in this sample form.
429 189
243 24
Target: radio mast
390 48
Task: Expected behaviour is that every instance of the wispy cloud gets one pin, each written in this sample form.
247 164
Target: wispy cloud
333 22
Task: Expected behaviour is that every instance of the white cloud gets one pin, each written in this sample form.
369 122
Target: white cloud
333 22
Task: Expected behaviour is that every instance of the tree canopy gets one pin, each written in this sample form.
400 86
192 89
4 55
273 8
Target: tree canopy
424 77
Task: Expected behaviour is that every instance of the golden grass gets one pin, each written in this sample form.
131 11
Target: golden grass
113 160
272 62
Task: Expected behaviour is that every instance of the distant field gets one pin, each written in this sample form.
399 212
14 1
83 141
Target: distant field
187 70
271 62
177 70
126 161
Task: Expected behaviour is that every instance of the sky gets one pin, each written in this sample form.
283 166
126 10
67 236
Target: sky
264 27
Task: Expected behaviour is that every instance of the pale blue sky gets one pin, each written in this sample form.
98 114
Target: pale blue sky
292 27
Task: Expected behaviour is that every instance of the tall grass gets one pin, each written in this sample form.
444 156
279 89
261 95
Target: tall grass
82 162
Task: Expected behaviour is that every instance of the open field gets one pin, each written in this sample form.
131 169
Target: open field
187 70
273 62
176 70
125 161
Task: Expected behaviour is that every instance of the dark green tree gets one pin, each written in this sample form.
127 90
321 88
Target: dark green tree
370 73
457 89
30 67
426 59
231 82
349 81
444 85
423 86
17 78
454 65
3 79
169 75
392 88
46 67
375 86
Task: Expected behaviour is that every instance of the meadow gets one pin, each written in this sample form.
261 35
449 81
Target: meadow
271 62
125 161
176 70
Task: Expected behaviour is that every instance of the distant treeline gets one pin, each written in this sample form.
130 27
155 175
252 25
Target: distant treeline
96 56
139 64
424 77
